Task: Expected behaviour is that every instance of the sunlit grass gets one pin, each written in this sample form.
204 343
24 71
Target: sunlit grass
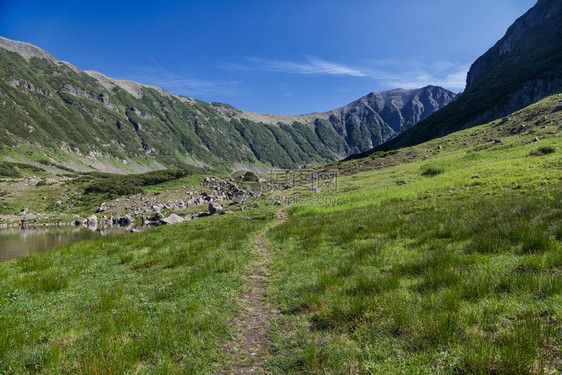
157 302
454 273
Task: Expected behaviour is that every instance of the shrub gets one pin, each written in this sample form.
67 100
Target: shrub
430 172
114 186
8 170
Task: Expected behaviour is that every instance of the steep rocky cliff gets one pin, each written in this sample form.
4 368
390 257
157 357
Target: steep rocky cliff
521 68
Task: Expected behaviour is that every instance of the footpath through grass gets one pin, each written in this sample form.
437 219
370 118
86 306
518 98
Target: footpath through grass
152 303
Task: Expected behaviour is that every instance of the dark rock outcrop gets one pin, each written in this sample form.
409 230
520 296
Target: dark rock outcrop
521 68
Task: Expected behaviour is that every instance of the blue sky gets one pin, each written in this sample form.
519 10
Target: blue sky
283 57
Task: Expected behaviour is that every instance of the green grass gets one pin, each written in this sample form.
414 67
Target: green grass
449 285
458 272
143 303
193 180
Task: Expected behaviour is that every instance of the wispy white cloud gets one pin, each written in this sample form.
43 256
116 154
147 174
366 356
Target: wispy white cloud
389 72
310 66
445 74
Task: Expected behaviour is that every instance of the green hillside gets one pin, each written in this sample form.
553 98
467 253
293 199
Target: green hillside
51 112
440 258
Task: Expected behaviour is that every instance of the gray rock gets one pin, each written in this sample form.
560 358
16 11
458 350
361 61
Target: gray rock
241 197
314 189
125 221
172 219
92 221
157 216
535 139
214 208
28 217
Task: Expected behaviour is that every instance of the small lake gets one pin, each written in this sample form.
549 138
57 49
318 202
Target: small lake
18 242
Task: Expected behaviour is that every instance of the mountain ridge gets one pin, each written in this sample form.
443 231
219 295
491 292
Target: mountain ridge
99 122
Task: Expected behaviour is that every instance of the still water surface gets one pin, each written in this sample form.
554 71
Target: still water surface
17 242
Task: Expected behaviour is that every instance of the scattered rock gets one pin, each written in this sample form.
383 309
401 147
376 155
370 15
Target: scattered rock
28 217
157 216
314 189
277 203
172 219
497 141
125 221
92 221
214 208
439 147
535 139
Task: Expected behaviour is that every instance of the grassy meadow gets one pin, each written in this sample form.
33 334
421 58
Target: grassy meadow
151 303
445 264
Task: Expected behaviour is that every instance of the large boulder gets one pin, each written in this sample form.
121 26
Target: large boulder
172 219
214 208
92 221
28 218
125 221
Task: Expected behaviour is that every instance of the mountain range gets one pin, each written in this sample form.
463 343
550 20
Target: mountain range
53 113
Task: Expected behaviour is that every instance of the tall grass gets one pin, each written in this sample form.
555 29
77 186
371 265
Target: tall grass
468 285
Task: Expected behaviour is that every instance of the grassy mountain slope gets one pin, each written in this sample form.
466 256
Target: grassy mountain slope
521 68
425 260
52 111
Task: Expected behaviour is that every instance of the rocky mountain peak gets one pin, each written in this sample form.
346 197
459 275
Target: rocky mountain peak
26 50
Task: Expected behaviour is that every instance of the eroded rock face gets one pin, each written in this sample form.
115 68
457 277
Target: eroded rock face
385 115
521 39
